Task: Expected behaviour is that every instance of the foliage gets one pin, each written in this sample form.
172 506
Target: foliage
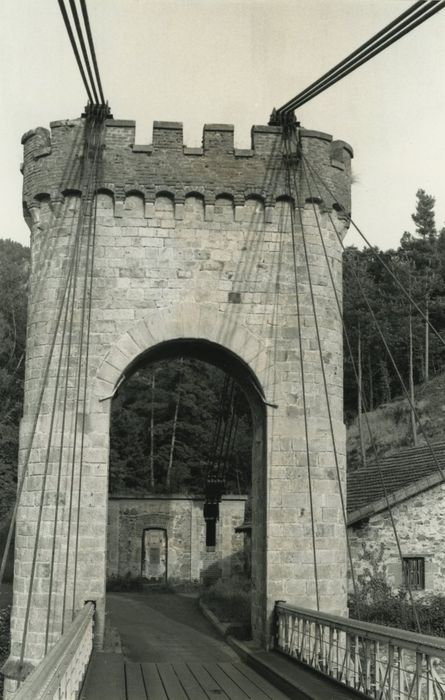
373 300
14 270
377 603
5 617
125 584
229 600
199 385
424 216
371 296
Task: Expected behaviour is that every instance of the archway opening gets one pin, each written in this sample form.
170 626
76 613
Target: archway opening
187 444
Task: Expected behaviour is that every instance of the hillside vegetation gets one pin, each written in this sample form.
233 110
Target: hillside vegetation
14 271
165 419
390 423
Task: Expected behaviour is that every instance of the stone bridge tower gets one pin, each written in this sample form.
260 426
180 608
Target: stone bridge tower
192 256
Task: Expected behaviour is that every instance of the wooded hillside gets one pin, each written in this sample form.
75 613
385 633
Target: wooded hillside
165 416
14 271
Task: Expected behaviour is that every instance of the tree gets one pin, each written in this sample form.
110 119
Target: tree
424 215
416 269
185 408
14 272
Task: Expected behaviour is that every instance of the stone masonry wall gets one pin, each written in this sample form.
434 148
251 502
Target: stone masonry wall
420 525
183 519
189 243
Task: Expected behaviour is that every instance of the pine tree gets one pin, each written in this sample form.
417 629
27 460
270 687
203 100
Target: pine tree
424 215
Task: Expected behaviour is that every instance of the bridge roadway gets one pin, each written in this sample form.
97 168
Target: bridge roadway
171 652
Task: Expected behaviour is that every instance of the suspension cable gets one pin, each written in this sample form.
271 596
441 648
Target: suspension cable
386 346
88 199
93 86
82 214
379 257
84 398
326 393
364 403
92 50
43 386
226 430
217 432
412 18
231 449
83 49
302 373
230 438
61 444
73 270
75 49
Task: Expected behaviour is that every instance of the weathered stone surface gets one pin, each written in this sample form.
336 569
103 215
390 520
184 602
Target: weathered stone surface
187 245
420 525
188 558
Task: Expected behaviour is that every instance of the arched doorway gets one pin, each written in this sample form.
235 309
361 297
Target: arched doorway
166 508
154 555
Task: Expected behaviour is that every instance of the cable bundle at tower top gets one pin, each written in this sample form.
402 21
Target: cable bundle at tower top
89 73
412 17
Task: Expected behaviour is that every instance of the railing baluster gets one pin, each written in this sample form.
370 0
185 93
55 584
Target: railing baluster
429 679
330 649
356 662
367 664
390 669
384 663
401 675
347 659
419 659
303 634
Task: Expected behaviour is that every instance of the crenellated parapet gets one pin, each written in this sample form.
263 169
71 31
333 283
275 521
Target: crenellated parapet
52 165
191 252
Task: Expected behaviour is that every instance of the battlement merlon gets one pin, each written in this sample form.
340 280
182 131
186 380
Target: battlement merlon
52 163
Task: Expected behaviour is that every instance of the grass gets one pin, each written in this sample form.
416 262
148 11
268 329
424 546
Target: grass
230 601
125 584
390 423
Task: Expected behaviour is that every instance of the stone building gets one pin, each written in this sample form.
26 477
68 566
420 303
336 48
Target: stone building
416 489
165 538
173 251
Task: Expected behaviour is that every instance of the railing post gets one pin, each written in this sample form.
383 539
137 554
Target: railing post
62 670
276 626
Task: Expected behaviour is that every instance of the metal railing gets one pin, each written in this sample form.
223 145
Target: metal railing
60 674
384 663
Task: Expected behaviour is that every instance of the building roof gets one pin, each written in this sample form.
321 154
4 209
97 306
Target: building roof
404 474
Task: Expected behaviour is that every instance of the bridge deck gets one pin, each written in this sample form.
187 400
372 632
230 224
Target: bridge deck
171 652
111 676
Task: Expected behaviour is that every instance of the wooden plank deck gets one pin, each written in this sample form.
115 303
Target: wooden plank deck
114 678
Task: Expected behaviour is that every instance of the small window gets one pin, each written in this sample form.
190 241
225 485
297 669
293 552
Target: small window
414 573
211 532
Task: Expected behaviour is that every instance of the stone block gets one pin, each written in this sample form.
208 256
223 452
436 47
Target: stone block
164 270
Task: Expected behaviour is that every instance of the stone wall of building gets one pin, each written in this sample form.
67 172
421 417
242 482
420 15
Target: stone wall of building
191 246
188 558
420 524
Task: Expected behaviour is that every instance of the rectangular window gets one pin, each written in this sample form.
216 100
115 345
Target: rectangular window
211 533
414 573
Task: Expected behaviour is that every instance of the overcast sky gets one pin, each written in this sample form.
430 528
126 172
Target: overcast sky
231 61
